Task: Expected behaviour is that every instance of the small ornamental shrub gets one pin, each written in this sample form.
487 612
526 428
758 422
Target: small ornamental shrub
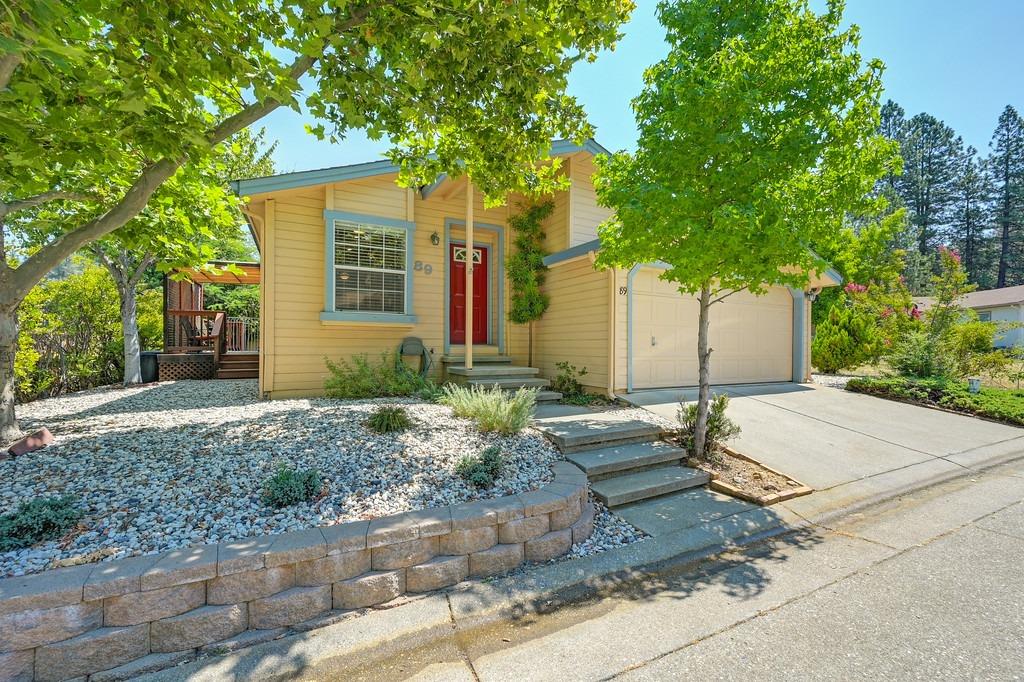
360 378
720 428
290 486
846 338
481 470
493 409
43 518
389 418
430 392
1005 405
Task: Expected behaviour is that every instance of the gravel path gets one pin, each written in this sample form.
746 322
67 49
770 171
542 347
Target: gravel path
833 380
182 463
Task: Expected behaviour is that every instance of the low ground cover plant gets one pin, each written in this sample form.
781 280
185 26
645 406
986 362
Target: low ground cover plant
389 419
567 382
720 428
481 470
493 409
362 378
290 486
44 518
1006 405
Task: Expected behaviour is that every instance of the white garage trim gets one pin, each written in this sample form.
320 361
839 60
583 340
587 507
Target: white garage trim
798 336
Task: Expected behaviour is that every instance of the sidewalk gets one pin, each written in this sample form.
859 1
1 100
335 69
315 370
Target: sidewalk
694 525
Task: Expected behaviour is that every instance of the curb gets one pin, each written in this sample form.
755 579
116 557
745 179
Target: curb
381 634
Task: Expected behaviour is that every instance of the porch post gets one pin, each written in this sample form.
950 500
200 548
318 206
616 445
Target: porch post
469 273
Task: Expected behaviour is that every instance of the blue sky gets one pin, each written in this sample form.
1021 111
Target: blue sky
959 60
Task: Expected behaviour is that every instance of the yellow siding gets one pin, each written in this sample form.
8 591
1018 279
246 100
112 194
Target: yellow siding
621 332
586 214
576 326
295 340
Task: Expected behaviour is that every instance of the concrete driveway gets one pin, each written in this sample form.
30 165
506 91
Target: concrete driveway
827 437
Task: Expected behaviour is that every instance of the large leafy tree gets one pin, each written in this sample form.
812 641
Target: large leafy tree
89 89
758 132
1007 164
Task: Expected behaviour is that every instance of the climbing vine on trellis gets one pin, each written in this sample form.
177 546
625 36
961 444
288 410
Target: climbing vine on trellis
526 269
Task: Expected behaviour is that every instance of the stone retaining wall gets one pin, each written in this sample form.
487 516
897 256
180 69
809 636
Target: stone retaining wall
113 620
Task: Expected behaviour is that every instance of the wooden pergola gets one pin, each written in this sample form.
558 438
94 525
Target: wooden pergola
222 272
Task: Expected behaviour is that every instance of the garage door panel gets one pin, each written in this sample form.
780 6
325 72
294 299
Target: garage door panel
751 336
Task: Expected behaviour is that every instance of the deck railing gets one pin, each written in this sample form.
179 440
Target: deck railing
243 334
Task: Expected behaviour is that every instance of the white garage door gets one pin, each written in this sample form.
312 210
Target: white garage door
751 336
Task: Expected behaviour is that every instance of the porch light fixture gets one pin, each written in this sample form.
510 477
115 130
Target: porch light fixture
435 238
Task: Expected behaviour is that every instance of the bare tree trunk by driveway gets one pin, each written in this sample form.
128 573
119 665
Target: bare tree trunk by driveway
704 370
9 430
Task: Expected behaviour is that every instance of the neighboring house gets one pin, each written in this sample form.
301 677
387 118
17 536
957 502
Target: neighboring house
994 305
353 264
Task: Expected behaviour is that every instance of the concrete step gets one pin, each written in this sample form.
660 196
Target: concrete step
620 490
460 359
606 462
549 397
238 373
492 371
510 384
599 430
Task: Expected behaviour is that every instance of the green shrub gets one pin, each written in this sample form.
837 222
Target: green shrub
430 392
388 419
481 470
720 427
491 408
1005 405
290 486
362 379
43 518
846 338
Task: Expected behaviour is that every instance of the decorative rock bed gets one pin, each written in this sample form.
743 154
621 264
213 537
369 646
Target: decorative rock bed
115 619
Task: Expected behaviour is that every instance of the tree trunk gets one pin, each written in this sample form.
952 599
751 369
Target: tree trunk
529 344
130 329
9 430
704 365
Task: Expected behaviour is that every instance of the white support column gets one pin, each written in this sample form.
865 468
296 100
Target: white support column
469 273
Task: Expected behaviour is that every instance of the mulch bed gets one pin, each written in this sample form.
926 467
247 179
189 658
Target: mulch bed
740 476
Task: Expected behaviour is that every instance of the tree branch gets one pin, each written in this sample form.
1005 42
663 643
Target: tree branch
8 63
40 199
155 174
147 260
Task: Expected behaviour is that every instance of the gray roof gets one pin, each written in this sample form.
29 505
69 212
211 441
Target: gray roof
990 298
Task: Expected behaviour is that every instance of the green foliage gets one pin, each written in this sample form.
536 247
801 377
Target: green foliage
949 341
525 267
481 470
757 136
289 486
493 409
389 419
567 382
993 403
359 378
241 300
70 334
846 338
720 429
43 518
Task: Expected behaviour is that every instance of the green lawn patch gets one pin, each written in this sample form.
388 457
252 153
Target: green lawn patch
1000 404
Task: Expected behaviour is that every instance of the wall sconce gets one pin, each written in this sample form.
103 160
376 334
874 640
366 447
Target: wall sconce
435 238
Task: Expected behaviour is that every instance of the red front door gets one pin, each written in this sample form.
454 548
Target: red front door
457 256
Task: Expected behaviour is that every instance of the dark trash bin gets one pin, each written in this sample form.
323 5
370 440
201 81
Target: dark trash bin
148 366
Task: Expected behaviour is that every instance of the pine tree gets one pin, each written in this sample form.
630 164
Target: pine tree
928 183
971 217
1007 163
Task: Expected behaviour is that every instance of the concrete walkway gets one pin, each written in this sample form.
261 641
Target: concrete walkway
827 437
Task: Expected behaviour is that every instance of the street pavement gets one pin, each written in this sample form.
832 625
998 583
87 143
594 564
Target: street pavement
927 586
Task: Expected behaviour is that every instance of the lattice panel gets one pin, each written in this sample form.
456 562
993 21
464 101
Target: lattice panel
199 368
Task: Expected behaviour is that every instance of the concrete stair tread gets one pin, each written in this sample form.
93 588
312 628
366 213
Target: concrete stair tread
492 370
477 359
510 384
609 460
644 485
548 396
575 433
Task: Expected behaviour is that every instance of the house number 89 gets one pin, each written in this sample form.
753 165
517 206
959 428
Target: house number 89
427 268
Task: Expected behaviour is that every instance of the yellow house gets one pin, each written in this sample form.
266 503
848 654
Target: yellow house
354 264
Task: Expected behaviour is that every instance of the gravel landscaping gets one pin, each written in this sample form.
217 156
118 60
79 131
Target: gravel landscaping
174 464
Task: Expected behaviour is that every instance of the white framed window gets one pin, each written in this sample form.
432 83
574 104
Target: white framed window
369 268
985 316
